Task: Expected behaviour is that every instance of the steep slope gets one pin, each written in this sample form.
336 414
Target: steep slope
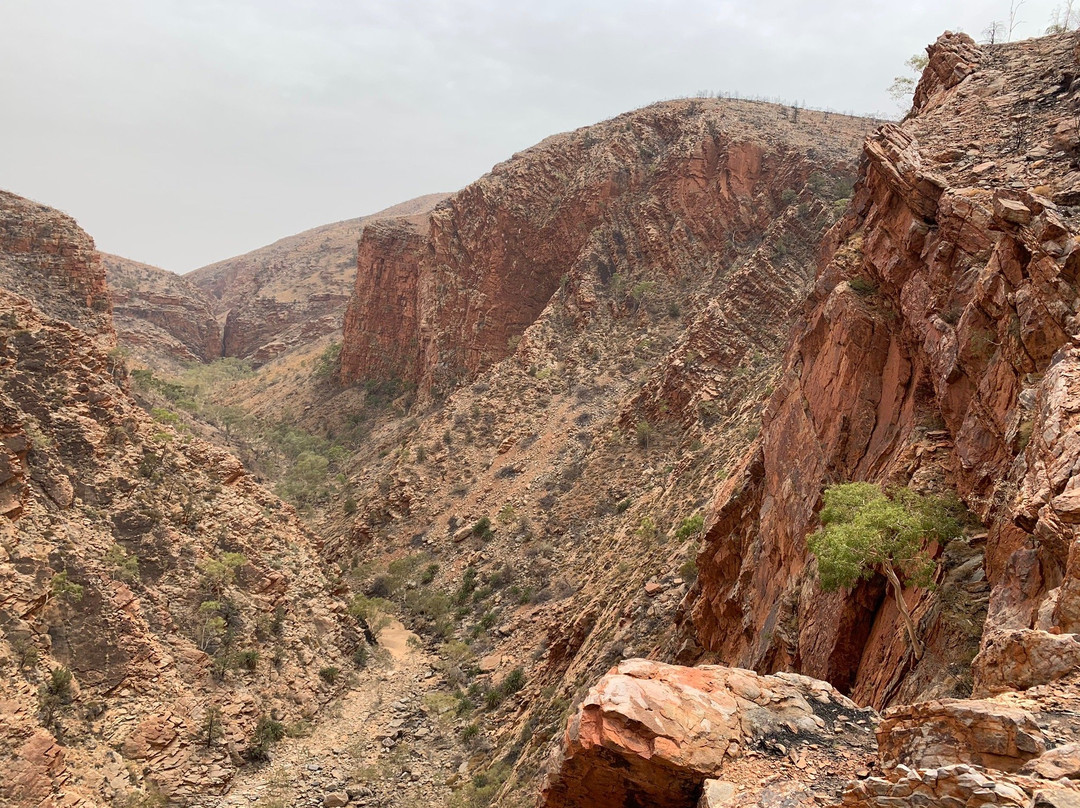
46 256
679 187
161 319
937 352
543 516
156 606
291 291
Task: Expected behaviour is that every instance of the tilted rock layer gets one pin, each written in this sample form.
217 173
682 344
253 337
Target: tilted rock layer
160 317
679 187
46 256
155 603
937 350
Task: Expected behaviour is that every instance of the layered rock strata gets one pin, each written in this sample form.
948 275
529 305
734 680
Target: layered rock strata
936 351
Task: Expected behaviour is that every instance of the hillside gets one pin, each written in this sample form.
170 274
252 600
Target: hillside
293 290
156 606
162 320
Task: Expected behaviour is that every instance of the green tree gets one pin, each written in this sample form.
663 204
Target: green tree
865 530
903 87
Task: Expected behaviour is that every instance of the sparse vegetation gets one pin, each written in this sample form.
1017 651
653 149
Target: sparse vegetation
866 530
267 733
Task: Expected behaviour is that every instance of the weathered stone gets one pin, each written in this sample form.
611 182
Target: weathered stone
650 733
335 799
1053 764
943 733
1017 660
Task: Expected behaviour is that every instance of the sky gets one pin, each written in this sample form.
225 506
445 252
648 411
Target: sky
182 132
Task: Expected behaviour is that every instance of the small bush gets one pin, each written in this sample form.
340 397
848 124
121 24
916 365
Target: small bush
329 674
361 656
249 659
63 588
862 286
514 681
267 733
645 433
470 732
482 528
691 526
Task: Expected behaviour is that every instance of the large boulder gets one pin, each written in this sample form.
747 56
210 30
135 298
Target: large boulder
651 734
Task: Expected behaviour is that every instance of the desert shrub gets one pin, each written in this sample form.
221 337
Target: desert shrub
220 573
482 528
327 363
865 530
470 732
645 433
125 567
514 681
212 729
329 674
62 587
361 656
267 733
691 526
862 286
248 659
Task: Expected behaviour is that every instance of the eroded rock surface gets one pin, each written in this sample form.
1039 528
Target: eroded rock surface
937 351
651 734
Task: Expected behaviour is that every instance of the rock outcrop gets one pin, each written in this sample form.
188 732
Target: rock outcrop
47 257
652 734
161 318
156 604
293 291
677 187
937 351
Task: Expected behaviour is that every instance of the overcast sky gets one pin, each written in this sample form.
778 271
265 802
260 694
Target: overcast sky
181 132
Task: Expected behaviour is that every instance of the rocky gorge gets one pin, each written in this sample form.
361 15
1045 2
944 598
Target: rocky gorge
562 461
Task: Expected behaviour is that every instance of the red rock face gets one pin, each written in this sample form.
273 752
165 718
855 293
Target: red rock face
662 190
293 291
934 352
160 313
47 257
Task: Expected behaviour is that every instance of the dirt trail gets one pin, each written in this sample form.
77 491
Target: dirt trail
382 747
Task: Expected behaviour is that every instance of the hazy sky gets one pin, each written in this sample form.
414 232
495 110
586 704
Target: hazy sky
181 132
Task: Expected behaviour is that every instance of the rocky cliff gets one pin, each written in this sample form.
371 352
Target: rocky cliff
292 291
936 351
680 188
46 256
542 519
162 617
161 318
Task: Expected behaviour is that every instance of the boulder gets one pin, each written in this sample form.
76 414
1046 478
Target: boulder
652 734
1017 660
951 731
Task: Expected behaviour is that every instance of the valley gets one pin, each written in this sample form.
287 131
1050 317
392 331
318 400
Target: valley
503 496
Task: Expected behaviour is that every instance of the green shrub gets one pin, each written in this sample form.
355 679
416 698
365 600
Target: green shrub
329 674
865 530
125 567
249 659
470 732
267 733
645 433
482 528
691 526
66 589
514 681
